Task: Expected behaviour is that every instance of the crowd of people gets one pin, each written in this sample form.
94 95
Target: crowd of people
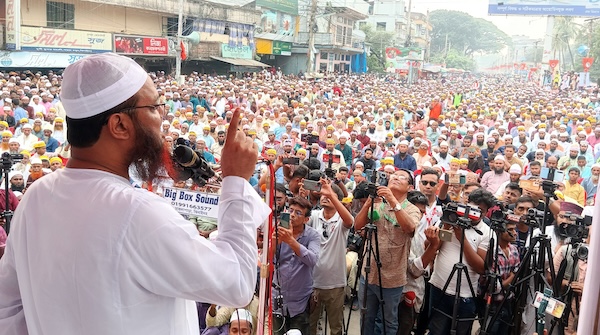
343 145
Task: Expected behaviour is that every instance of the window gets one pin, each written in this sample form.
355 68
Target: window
171 27
60 15
381 26
323 55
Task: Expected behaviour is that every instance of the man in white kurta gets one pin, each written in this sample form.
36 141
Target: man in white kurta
88 253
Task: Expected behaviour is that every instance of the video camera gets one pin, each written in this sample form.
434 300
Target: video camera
374 180
309 138
576 231
7 160
330 159
462 215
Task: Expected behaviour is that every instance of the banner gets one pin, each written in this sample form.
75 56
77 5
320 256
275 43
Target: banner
25 59
587 63
13 24
286 6
553 63
400 59
138 45
590 8
193 203
63 40
243 52
272 22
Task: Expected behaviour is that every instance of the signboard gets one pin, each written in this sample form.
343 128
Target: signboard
286 6
243 52
63 40
397 59
282 48
546 7
13 23
276 23
138 45
193 203
25 59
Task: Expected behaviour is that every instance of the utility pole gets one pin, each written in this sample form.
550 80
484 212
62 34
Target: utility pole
312 25
591 22
178 48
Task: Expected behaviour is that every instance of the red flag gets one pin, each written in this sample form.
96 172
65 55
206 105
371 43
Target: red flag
587 63
553 63
183 54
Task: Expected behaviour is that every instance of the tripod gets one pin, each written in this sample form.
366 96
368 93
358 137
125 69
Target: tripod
370 235
521 280
568 296
458 269
492 277
6 164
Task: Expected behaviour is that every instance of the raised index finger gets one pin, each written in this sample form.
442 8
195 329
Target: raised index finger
233 126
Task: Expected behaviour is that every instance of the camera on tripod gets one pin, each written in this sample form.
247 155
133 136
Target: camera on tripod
377 178
533 218
7 160
456 214
578 230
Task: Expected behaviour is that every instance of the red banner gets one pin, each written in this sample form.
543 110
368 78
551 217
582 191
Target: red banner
587 63
135 45
553 63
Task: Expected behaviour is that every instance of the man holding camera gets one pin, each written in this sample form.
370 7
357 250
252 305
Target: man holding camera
474 252
296 258
396 220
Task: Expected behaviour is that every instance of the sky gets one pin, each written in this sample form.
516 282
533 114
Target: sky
531 26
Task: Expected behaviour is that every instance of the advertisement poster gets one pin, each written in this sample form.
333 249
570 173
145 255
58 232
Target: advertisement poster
139 45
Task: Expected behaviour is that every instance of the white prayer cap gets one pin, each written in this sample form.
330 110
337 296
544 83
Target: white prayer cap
13 174
97 83
241 314
35 161
500 158
515 168
293 332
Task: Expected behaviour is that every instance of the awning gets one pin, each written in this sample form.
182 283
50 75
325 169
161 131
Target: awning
241 62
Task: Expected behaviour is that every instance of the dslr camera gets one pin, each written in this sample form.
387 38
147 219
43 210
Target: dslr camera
457 214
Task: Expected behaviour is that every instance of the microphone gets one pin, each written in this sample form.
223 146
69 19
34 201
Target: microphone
193 164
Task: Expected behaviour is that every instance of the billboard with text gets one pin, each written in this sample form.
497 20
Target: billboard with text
590 8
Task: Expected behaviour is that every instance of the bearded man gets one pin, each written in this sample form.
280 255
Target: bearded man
590 184
119 276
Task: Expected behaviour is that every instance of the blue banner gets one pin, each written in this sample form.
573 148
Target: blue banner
589 8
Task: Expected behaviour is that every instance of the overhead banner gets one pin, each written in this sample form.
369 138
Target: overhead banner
139 45
590 8
63 40
13 23
286 6
243 52
25 59
193 203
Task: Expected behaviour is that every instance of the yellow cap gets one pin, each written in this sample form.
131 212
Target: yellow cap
55 159
271 152
39 144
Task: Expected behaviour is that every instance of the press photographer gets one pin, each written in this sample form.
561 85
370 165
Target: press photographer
475 249
396 220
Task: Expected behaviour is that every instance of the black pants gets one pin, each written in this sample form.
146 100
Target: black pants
282 324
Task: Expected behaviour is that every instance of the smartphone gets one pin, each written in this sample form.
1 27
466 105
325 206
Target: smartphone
369 174
284 220
312 185
445 235
291 161
552 174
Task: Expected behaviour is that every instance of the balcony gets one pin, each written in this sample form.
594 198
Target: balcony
320 38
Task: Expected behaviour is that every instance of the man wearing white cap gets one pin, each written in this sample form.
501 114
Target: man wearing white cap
492 179
240 322
570 159
515 173
124 261
590 184
443 157
27 139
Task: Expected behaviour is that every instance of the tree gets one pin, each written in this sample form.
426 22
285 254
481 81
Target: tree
379 40
464 33
455 59
565 33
